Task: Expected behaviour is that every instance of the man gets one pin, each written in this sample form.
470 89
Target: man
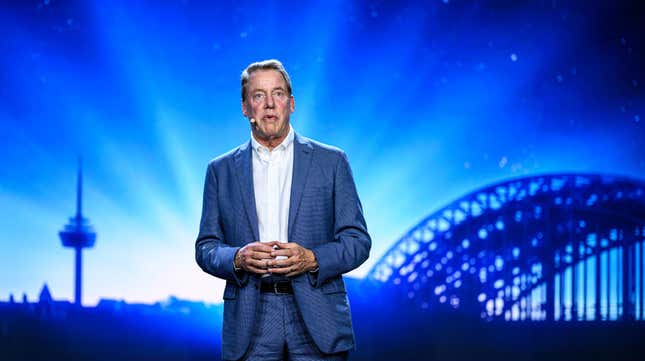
281 222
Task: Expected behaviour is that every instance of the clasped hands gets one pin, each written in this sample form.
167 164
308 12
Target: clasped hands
260 258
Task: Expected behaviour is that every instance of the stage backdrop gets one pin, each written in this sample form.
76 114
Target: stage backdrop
431 100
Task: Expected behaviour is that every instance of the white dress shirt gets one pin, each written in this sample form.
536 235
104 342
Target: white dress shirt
272 173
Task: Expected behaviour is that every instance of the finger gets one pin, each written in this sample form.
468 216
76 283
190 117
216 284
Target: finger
272 244
261 247
282 269
287 245
251 255
281 263
282 252
286 262
294 273
256 270
261 264
261 255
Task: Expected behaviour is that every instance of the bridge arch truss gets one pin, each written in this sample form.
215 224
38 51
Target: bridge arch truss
558 247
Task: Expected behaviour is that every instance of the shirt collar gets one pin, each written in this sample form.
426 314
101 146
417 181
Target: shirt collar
284 145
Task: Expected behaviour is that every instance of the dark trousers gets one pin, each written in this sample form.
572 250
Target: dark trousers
281 333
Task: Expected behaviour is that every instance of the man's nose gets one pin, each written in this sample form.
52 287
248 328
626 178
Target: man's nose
269 101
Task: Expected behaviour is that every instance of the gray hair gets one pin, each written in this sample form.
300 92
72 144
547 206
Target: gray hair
271 64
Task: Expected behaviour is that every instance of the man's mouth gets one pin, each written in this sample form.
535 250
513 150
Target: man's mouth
270 118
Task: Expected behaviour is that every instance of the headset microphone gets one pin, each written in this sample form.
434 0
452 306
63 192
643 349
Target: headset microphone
253 122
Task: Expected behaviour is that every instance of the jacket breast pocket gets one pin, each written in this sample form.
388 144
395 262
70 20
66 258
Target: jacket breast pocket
335 285
230 291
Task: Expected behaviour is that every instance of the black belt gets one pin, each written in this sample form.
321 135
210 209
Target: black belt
279 288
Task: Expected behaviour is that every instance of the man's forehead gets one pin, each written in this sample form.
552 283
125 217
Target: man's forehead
266 78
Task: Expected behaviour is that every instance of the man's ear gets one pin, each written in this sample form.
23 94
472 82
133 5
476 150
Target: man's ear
292 104
244 109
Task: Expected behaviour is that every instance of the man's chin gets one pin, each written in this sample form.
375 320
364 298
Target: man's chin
271 133
267 136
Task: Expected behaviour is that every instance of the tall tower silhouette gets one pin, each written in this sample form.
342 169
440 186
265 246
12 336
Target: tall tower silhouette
78 234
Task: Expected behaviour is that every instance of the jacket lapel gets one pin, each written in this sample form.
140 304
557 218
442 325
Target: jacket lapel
244 169
302 154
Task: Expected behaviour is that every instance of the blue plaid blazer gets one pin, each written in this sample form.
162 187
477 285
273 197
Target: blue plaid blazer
325 215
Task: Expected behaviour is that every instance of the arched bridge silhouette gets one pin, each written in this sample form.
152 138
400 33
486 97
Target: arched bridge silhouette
549 247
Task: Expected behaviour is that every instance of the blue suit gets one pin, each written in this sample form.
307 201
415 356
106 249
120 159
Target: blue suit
325 216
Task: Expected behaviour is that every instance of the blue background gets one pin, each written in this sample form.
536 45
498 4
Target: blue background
430 100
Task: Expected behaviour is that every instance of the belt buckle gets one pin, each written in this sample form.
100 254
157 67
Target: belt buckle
276 290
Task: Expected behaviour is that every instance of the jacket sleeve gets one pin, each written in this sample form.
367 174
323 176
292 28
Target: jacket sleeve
212 253
351 244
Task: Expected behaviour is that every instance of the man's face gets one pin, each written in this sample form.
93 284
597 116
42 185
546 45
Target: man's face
269 103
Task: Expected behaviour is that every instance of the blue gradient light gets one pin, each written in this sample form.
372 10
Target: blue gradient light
430 100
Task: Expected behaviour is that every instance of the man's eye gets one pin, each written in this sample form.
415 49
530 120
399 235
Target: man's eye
258 96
